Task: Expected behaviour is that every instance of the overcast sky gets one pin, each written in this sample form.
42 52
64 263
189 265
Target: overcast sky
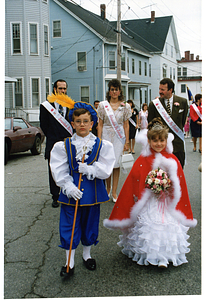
186 13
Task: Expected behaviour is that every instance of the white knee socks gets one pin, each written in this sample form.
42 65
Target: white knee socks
86 252
71 263
86 255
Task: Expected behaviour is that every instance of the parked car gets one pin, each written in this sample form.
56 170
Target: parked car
21 136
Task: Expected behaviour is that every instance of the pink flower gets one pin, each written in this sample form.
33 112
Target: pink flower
122 104
176 104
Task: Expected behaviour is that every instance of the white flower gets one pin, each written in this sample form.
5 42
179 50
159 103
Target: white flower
157 181
149 181
164 181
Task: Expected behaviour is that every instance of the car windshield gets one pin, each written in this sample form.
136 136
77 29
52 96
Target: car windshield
7 124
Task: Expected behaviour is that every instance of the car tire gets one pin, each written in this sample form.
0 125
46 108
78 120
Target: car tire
36 149
6 153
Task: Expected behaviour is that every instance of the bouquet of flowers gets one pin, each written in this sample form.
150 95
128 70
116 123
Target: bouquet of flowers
158 181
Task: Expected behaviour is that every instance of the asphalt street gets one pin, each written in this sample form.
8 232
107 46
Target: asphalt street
32 258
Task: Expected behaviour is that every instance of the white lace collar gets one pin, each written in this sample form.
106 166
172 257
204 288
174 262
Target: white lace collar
79 142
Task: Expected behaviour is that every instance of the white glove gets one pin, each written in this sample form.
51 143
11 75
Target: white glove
89 171
76 193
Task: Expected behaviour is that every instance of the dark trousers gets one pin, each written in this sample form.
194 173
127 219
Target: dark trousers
54 189
181 157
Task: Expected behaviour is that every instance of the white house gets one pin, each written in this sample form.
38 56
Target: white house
27 57
189 75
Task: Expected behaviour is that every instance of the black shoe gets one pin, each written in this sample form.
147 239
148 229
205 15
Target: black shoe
64 273
55 203
90 264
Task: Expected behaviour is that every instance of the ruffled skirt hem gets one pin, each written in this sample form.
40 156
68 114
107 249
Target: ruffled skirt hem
156 242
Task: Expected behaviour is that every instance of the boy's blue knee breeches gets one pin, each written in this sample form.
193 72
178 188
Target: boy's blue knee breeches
86 228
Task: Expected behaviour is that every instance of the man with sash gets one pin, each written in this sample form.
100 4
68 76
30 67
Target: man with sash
55 124
173 111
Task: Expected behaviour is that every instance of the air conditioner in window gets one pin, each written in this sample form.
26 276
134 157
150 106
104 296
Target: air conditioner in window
81 68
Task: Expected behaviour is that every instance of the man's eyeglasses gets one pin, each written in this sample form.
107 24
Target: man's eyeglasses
79 122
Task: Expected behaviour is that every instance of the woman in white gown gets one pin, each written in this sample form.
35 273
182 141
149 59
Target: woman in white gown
154 225
121 112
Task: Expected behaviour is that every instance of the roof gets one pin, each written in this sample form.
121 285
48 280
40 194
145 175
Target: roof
151 36
102 27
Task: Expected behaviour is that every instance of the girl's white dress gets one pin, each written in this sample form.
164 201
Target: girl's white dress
154 232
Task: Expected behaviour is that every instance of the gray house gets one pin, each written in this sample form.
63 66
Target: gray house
27 57
159 37
83 52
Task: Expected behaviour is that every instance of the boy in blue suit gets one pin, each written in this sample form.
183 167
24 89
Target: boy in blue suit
66 167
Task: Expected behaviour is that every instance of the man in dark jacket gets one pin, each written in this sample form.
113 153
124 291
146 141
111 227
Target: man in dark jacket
54 132
178 111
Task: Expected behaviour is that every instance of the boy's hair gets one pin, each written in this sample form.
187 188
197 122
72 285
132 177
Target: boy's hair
81 111
117 84
198 97
156 128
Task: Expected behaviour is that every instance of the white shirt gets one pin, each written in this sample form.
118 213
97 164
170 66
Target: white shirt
59 160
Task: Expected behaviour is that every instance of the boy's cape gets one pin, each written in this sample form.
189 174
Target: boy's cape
133 195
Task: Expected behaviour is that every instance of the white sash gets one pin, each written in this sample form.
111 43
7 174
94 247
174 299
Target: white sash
58 116
197 111
160 108
132 122
119 131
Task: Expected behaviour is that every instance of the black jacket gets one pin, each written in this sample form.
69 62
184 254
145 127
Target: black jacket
52 129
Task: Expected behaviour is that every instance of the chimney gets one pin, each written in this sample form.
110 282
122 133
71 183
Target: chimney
152 16
103 11
187 55
191 56
197 57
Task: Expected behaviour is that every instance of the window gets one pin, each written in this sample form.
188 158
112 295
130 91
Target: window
133 66
173 73
33 39
16 38
81 61
57 29
111 60
145 96
18 93
179 71
35 91
145 69
150 70
183 88
85 94
47 86
170 73
164 71
46 40
140 68
123 62
150 95
127 64
19 122
184 71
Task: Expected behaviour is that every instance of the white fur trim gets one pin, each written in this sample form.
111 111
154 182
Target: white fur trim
141 137
169 165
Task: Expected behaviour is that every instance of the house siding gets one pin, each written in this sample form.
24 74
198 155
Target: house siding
25 65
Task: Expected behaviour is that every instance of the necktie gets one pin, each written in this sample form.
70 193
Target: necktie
168 109
61 111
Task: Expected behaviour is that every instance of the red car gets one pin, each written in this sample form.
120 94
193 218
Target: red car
21 136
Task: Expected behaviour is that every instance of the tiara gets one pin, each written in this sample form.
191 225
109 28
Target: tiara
157 126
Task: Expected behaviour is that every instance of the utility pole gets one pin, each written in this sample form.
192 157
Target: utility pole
119 40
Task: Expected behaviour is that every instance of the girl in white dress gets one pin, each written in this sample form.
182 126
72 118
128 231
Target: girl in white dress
153 208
